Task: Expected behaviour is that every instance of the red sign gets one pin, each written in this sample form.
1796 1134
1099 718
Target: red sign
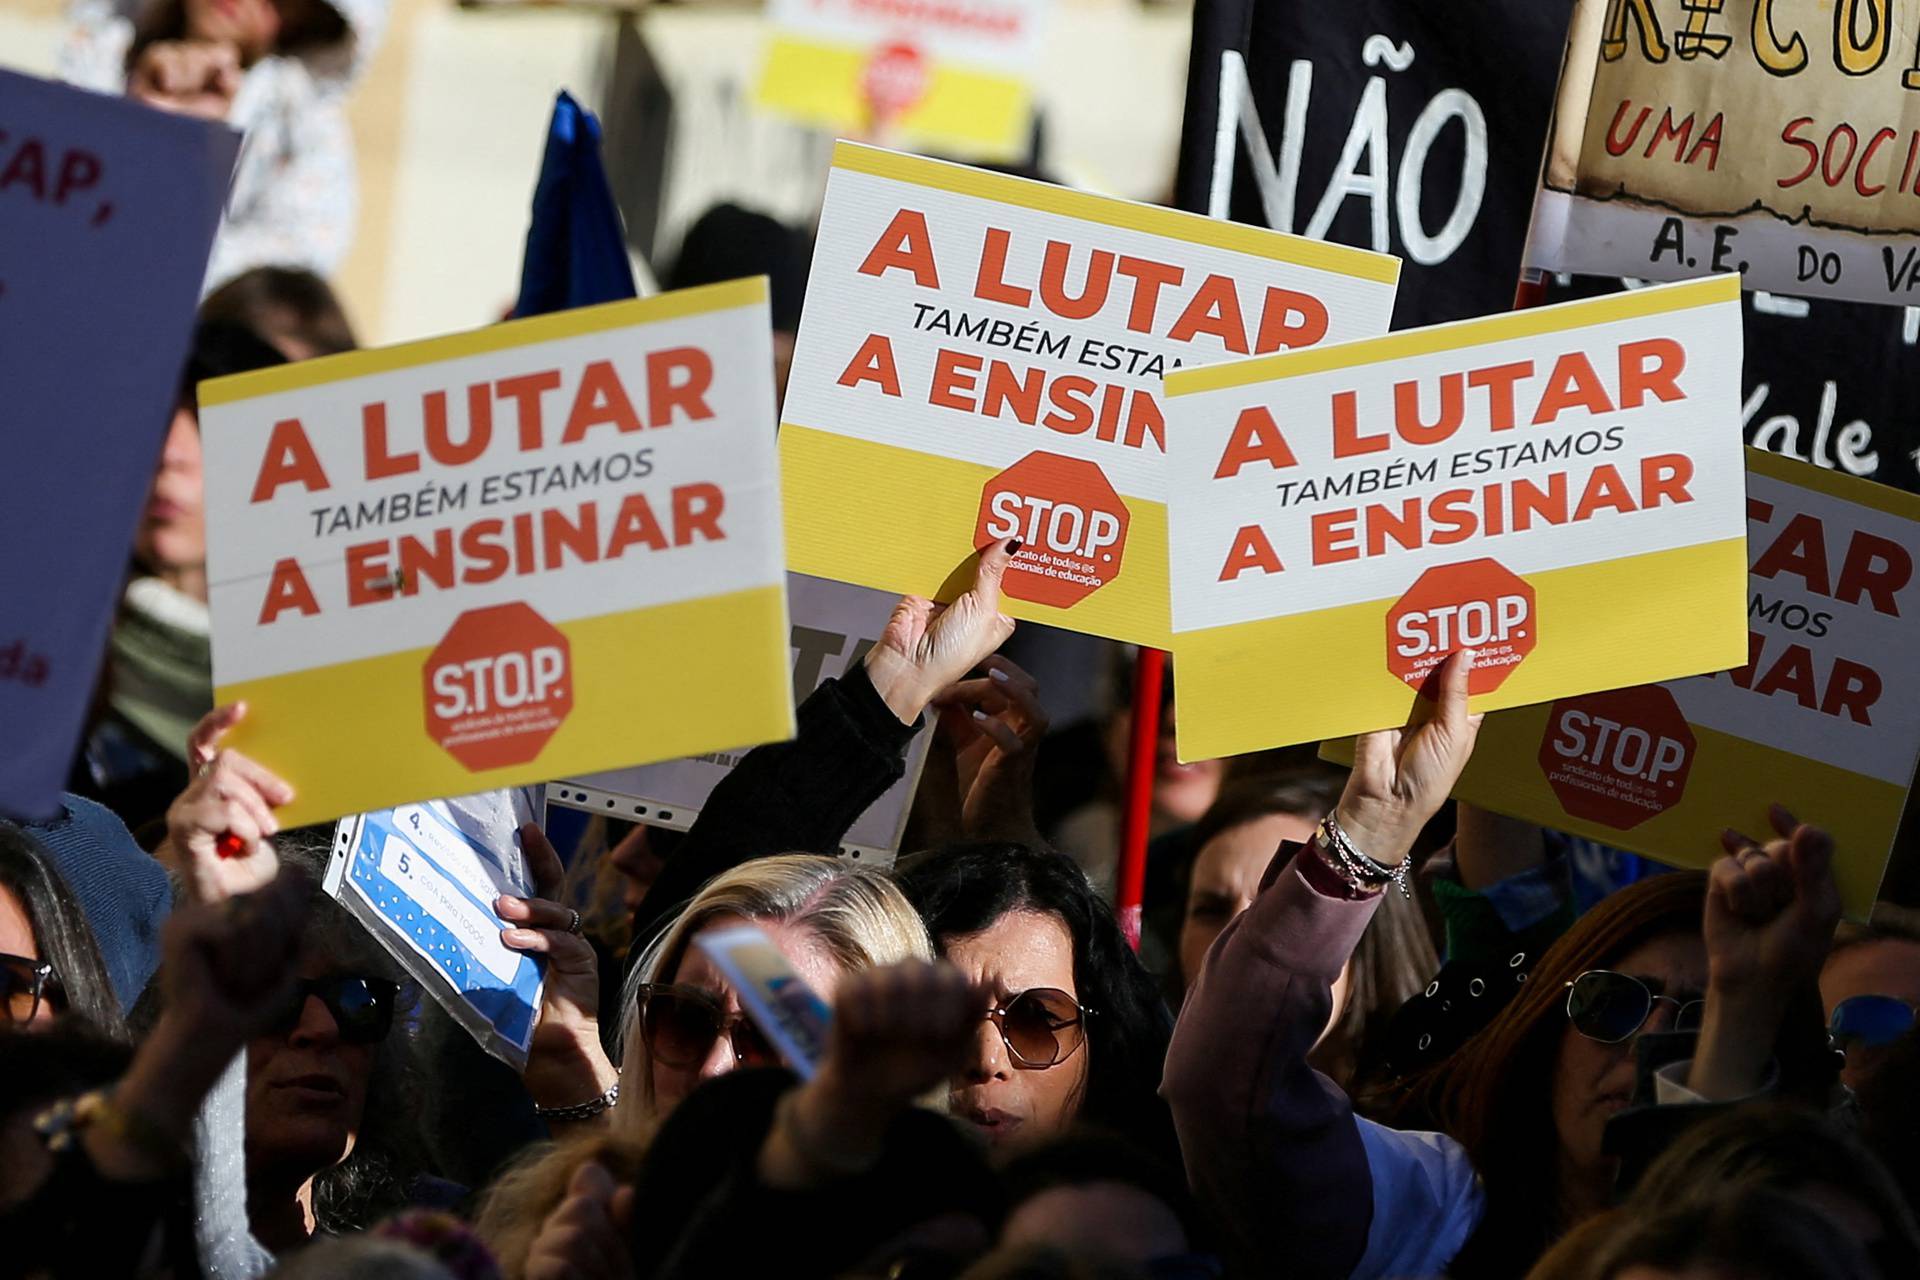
896 78
1620 757
497 686
1073 524
1477 604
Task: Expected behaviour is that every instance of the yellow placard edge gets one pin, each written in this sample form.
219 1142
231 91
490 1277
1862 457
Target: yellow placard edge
1174 224
1533 322
497 337
1833 484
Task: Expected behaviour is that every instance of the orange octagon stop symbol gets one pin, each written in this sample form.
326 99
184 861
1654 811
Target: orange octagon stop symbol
1073 524
1477 604
497 686
1620 757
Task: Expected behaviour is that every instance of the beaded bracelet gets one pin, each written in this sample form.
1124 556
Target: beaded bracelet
582 1110
1359 870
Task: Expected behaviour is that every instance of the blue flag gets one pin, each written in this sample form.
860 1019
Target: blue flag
576 250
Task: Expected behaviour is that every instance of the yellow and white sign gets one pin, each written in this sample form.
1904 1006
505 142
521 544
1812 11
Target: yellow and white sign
1560 489
1824 717
945 75
543 548
980 358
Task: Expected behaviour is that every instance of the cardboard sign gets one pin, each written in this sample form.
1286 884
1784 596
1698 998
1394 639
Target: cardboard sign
423 879
834 624
951 77
107 213
1737 135
1560 489
547 547
1824 717
980 358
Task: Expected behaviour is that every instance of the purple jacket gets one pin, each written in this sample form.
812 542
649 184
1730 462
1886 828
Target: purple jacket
1305 1187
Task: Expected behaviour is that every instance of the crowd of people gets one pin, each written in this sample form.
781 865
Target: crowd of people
1366 1031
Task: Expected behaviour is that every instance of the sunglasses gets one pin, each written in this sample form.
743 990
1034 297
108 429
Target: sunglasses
362 1008
1872 1022
1611 1007
24 986
680 1026
1042 1027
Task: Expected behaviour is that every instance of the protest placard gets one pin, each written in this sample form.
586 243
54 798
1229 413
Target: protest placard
1824 716
834 624
955 77
543 548
422 879
980 358
1559 488
95 192
1736 136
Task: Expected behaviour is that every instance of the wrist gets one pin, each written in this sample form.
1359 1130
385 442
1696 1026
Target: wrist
171 1073
897 683
568 1066
1380 840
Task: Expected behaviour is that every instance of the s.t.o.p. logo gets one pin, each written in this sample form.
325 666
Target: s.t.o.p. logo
1073 524
498 686
895 79
1620 757
1477 604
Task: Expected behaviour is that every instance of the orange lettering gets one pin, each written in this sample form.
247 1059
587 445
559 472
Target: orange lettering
288 589
1256 438
289 459
904 244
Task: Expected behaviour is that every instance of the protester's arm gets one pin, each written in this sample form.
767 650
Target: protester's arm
1770 917
229 797
1269 1142
224 969
801 796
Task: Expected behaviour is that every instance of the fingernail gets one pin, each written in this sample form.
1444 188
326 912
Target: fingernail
997 674
1013 546
519 937
978 714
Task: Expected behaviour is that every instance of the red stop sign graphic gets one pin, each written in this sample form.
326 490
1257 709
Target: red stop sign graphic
1476 604
1620 757
895 79
497 686
1073 524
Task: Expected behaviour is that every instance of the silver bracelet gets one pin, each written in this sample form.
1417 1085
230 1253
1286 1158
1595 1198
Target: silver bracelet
1361 869
582 1110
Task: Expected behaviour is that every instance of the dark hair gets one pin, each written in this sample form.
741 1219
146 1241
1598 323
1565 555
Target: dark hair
1784 1148
220 348
1495 1094
965 888
66 1059
1244 800
375 1178
728 242
277 301
60 930
1765 1235
1088 1156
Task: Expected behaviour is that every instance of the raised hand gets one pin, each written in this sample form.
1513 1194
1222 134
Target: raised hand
1771 911
190 77
229 797
898 1031
992 726
926 646
585 1237
566 1064
1401 777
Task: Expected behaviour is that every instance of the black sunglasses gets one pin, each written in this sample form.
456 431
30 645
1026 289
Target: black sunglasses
1042 1026
681 1024
1611 1007
362 1008
24 986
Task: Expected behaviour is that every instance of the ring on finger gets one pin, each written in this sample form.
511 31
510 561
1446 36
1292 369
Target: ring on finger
573 921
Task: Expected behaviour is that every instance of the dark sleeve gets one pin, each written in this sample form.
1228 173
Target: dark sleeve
790 797
79 1223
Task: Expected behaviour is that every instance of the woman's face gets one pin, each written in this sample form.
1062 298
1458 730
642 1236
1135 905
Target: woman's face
306 1092
1594 1081
809 959
1882 967
1225 876
173 528
251 26
1010 1105
16 939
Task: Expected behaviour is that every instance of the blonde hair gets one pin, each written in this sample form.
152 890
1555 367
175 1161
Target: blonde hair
856 914
518 1202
